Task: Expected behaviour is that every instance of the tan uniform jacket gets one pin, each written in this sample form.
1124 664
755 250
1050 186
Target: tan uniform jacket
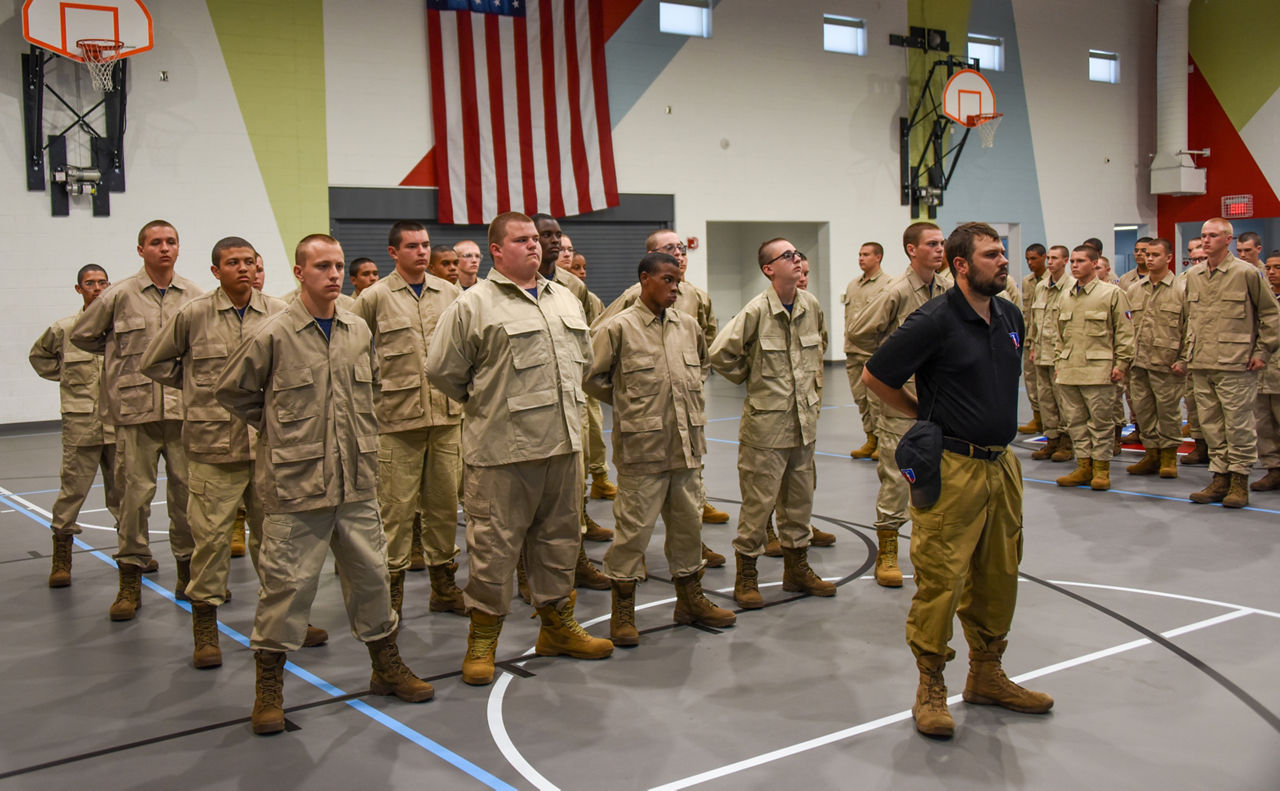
1231 317
402 324
121 322
516 364
1269 382
78 374
1042 331
779 355
861 292
650 370
190 352
1095 334
1129 278
572 282
1011 293
1029 284
311 399
1159 322
691 301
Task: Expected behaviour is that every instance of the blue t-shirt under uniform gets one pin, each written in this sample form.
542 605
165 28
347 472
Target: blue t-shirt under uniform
326 326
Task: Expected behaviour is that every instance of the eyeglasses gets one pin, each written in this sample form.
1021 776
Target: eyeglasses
791 256
671 249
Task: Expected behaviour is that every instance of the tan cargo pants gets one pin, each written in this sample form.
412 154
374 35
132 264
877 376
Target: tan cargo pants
868 405
1089 411
597 456
769 477
1193 414
294 547
965 551
1266 414
1029 379
419 470
216 493
641 499
1047 398
894 495
80 465
529 506
1157 406
138 451
1225 401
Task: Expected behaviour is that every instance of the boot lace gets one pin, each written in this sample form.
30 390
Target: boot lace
483 642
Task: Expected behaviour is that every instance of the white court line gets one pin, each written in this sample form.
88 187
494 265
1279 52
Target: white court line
49 515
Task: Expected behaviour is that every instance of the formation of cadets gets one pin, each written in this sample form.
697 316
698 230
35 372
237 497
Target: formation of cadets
329 424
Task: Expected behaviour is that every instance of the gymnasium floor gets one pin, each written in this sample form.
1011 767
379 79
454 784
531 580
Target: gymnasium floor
1153 622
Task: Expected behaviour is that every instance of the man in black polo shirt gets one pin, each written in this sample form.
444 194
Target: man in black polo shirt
965 351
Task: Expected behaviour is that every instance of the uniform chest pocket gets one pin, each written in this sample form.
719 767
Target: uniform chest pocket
294 392
395 337
529 345
775 358
207 361
362 387
1232 307
79 371
640 374
580 332
131 335
811 345
1095 322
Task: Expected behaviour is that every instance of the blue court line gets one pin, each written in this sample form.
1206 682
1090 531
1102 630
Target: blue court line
364 708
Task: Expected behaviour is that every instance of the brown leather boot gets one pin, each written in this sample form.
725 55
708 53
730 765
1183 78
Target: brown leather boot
315 637
1101 480
693 606
888 575
60 575
712 515
482 647
987 684
1082 475
798 577
204 631
522 581
1149 465
1115 442
819 538
1215 492
397 592
417 552
930 711
746 587
1046 452
129 598
596 531
1168 462
446 596
1267 483
184 577
867 448
772 548
268 693
561 634
391 676
1198 455
1033 427
237 535
713 559
622 621
1065 451
586 575
1237 491
601 487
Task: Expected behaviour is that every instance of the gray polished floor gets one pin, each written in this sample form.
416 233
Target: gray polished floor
1153 622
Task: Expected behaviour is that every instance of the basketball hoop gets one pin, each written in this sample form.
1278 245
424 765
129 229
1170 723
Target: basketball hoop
986 124
100 56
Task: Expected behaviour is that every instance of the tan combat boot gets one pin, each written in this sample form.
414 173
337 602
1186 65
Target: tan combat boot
622 622
446 596
60 575
204 631
867 448
417 552
397 592
586 575
1237 491
693 606
1101 480
1199 455
798 577
1149 465
601 487
1046 452
712 515
1168 462
315 637
772 548
713 559
237 535
1034 427
819 538
1267 483
1065 450
268 693
391 676
482 647
522 581
562 635
1081 476
888 575
987 684
129 599
595 531
1215 492
184 578
930 711
746 587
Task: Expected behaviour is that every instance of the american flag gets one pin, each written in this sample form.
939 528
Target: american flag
520 108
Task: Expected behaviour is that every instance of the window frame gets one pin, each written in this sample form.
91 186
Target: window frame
852 23
1109 61
671 28
995 43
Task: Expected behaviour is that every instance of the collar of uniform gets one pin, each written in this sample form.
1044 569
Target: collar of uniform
396 282
301 317
647 316
177 282
776 306
223 302
1226 264
1091 285
502 280
917 284
870 278
1168 280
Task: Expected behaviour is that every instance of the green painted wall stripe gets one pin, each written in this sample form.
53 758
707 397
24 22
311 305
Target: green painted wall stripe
951 16
1233 42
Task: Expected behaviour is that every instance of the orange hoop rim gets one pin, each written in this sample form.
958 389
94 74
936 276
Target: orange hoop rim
981 118
100 50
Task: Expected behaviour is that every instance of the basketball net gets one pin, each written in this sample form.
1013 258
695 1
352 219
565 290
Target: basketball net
986 124
100 56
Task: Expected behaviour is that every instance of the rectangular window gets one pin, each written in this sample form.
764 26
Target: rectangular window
988 51
685 17
1104 66
844 34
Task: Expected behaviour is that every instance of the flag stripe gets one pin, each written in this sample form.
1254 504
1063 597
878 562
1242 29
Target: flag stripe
439 116
470 118
551 129
604 125
581 178
530 113
497 114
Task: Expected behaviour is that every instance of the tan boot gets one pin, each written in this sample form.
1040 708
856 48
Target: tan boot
930 711
417 552
622 621
798 577
482 647
129 599
60 575
391 676
237 535
1199 455
1101 480
1267 483
819 538
1168 462
867 448
1033 427
713 559
987 684
152 566
184 578
268 693
204 630
746 587
315 637
712 515
1064 452
1215 492
888 575
446 596
1237 492
397 592
772 548
596 531
586 575
601 487
1046 452
1149 465
522 581
693 606
1082 474
562 635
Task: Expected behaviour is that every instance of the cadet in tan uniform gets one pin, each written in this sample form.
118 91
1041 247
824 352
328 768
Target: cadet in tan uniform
1249 249
363 273
1135 275
87 443
1266 410
1042 340
924 245
444 263
1159 324
648 364
1233 328
1095 347
1034 256
775 344
1199 455
146 414
468 263
513 349
420 431
861 292
306 381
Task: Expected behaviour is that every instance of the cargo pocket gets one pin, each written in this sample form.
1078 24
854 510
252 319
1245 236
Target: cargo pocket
293 395
136 394
400 397
298 470
639 375
529 347
367 461
532 417
131 335
643 439
207 362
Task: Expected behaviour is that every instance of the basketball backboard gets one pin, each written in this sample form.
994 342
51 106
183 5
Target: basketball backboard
968 95
56 25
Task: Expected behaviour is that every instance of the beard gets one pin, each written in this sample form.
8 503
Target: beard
988 287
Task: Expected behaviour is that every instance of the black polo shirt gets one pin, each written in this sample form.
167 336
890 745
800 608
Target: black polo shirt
966 370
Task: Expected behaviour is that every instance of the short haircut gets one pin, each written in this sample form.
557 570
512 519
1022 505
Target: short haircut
306 241
879 248
142 234
1250 236
353 268
652 238
540 217
1105 260
498 228
914 231
438 250
228 243
1145 240
650 263
760 254
1165 243
1222 222
1093 242
960 242
466 241
1037 248
398 230
1065 252
1089 251
86 269
576 256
